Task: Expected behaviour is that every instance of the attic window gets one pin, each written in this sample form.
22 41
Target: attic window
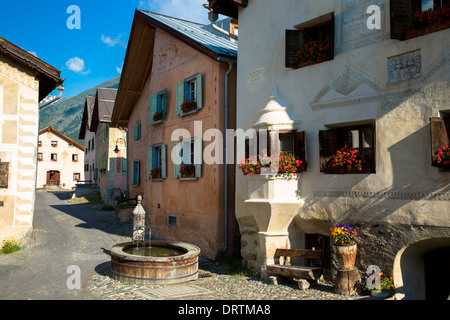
311 41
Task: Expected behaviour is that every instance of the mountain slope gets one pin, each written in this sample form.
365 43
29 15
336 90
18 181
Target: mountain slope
66 114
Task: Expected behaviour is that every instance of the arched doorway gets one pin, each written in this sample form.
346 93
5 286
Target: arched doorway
437 274
53 178
421 270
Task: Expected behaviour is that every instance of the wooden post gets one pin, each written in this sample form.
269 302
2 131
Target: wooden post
346 281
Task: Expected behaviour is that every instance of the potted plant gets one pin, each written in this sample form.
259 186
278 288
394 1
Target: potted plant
347 160
313 52
428 21
442 158
155 173
188 106
345 241
158 116
250 166
187 170
288 164
378 285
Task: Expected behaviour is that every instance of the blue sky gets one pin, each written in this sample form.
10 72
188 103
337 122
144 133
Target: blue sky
94 53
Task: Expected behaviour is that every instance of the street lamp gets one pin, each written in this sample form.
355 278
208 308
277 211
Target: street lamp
116 150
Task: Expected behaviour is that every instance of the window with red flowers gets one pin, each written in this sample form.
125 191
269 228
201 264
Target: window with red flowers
349 149
414 18
440 141
310 43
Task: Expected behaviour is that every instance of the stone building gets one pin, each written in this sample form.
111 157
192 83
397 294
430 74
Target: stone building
110 169
170 61
24 81
60 160
89 140
380 88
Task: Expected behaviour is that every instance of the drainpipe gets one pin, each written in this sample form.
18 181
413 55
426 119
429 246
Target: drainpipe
225 207
53 99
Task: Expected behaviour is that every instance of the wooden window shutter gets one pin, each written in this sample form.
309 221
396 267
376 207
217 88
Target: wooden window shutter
153 107
440 132
177 147
149 160
400 16
124 165
294 43
164 104
4 174
180 98
163 161
300 149
327 145
198 156
199 91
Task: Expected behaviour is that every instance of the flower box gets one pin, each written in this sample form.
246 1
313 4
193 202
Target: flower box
155 173
158 116
434 27
187 171
313 52
428 21
188 106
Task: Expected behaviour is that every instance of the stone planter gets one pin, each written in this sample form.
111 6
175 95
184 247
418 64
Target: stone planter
345 256
379 294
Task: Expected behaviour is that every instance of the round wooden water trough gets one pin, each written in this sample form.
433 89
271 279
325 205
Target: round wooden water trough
142 269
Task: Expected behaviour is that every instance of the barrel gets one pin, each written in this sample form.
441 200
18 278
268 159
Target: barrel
148 270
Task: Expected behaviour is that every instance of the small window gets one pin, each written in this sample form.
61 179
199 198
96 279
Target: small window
407 21
74 158
76 177
135 172
54 143
39 143
40 157
54 157
172 220
158 107
358 140
189 95
440 138
188 158
316 36
156 162
137 132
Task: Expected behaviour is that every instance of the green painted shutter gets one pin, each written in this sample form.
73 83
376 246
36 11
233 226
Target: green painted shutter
135 132
199 91
153 107
124 165
163 161
132 173
180 98
177 159
149 161
164 104
137 167
198 152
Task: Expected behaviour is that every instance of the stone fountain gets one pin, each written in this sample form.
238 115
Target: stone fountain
152 262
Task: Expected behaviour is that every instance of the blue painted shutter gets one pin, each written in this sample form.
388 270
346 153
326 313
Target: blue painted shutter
199 91
153 107
180 98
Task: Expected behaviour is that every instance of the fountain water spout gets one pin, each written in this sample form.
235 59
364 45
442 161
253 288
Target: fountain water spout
139 228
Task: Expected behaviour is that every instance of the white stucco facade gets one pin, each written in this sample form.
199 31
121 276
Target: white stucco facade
395 87
60 160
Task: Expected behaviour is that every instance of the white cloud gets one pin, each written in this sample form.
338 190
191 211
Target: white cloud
119 69
33 53
191 10
77 65
114 42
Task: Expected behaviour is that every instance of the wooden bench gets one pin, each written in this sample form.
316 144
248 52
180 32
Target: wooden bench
284 269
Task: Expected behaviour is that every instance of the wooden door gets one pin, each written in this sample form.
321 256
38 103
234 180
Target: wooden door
53 178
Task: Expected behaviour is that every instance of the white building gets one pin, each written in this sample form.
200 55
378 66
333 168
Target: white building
89 140
60 160
383 90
